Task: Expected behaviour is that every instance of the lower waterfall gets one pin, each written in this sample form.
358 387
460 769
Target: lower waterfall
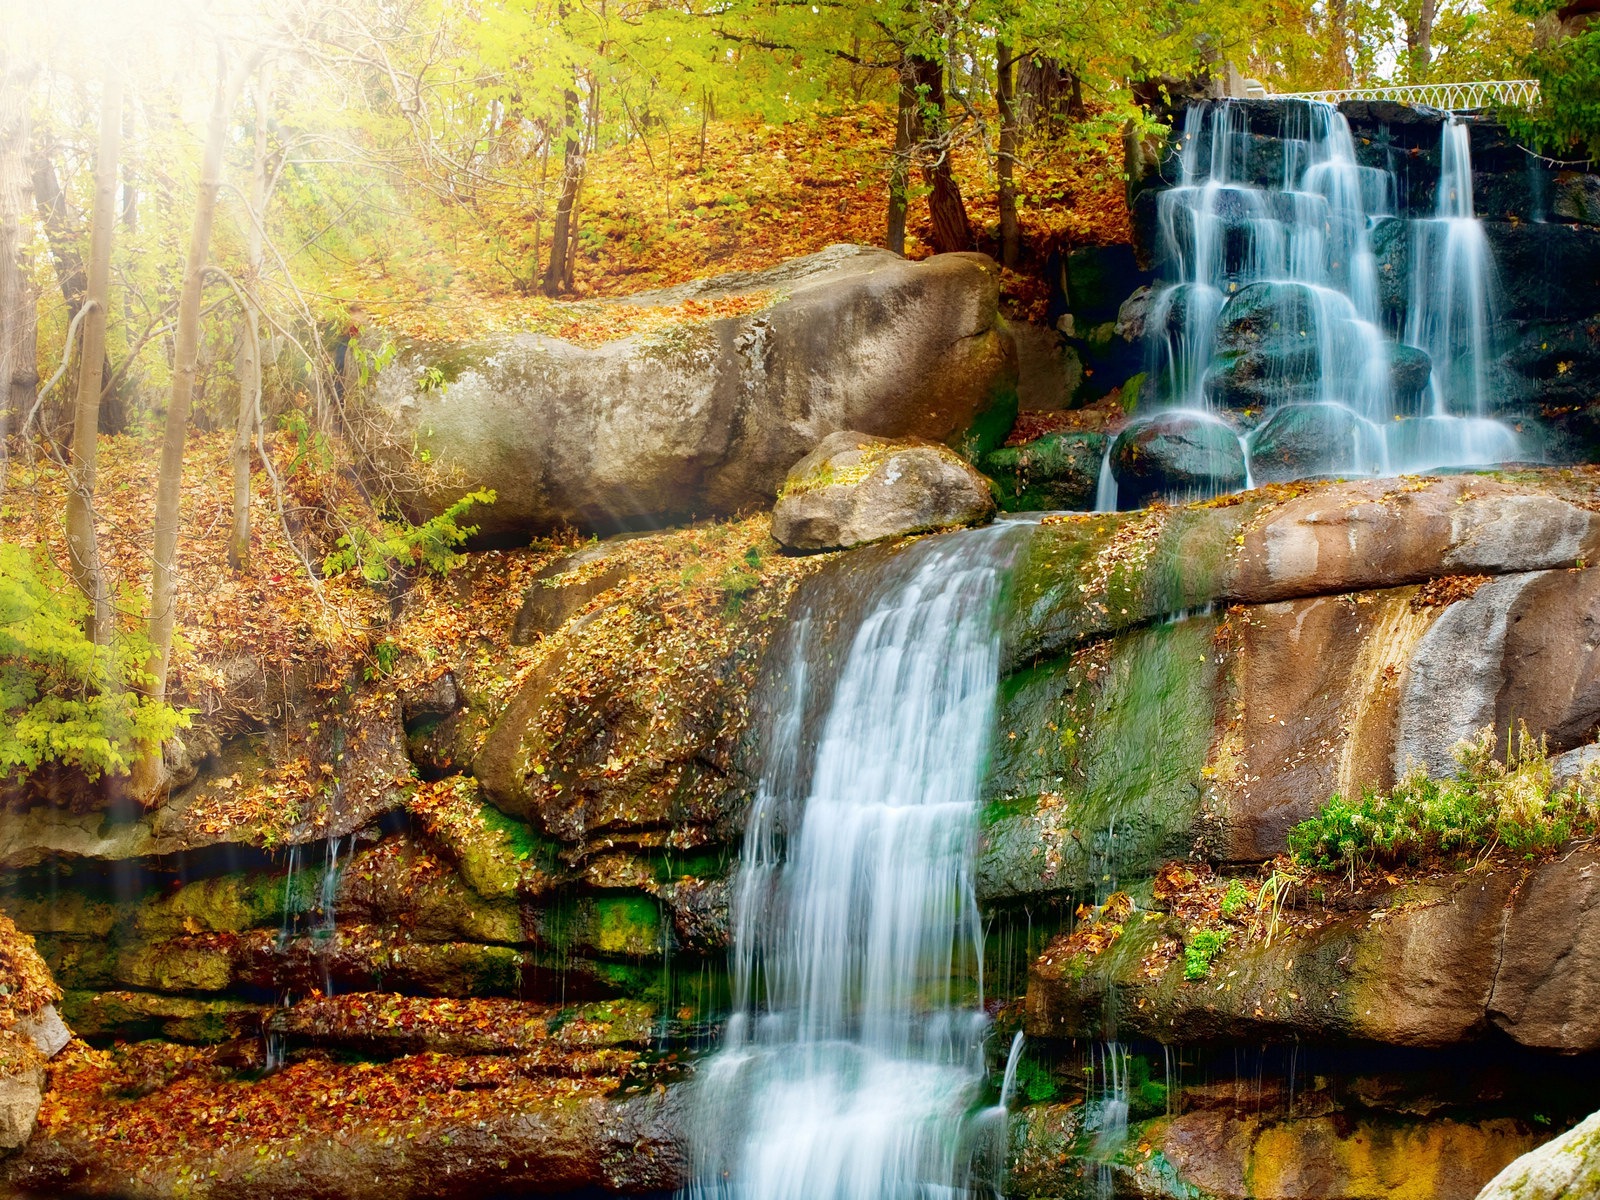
854 1062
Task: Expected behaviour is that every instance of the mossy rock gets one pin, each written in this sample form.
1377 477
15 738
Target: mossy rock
618 925
131 1016
1057 471
1097 767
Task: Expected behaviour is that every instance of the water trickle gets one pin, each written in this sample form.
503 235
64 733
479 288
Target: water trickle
854 1061
1270 315
1111 1131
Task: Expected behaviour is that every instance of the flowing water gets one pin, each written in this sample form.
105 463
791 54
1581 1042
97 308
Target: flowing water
1270 317
854 1064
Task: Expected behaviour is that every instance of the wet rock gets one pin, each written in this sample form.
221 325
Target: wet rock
130 1016
1054 472
388 1025
1417 969
700 918
1300 440
1546 270
706 418
1118 794
1564 1168
854 489
1175 455
1575 196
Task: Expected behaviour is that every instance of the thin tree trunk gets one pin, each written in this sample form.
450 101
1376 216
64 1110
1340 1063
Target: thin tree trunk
83 548
558 272
1419 41
249 362
907 133
53 212
71 274
951 229
149 774
19 375
1006 160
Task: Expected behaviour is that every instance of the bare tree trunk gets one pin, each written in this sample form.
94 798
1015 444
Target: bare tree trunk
1419 41
149 774
249 362
558 272
19 375
71 273
83 548
1339 15
951 229
1006 159
52 202
907 133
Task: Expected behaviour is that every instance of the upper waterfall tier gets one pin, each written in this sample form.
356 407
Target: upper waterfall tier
1271 351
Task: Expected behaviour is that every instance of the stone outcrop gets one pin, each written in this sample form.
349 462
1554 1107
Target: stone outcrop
1370 627
1055 472
708 418
854 489
1565 1167
1454 960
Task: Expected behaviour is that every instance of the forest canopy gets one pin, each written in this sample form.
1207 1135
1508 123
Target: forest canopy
223 218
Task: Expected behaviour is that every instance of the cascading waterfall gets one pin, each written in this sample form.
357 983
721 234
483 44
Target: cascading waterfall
854 1060
1270 320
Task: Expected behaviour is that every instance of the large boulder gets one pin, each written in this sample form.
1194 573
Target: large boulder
707 417
1301 440
1176 455
854 489
1563 1169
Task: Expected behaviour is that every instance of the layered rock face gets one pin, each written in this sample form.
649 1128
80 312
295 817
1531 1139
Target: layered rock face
1187 685
483 979
706 419
455 978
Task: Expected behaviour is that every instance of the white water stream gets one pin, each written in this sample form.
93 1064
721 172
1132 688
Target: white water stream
1295 252
854 1064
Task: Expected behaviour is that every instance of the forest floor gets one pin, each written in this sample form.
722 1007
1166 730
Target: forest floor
673 208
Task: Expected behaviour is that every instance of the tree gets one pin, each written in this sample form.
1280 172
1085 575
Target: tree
1005 94
149 772
83 546
18 322
249 357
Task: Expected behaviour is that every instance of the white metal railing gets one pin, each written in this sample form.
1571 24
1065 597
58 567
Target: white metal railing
1454 97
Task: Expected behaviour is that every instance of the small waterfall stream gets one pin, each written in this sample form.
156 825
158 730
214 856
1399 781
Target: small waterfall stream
1270 328
854 1064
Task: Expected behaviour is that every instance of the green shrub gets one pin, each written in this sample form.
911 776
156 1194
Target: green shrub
1566 121
63 699
1513 802
1202 948
1235 900
400 545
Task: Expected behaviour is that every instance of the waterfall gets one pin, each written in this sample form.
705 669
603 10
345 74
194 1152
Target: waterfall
854 1061
1270 316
